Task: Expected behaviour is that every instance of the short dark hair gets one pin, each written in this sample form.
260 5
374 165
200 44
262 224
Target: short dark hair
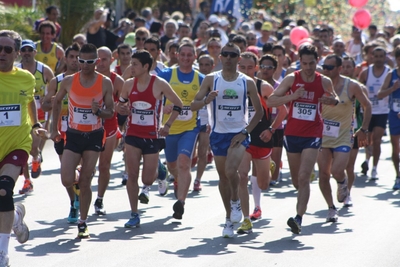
153 40
257 25
123 46
74 47
338 59
380 49
88 49
308 50
173 45
267 48
184 25
271 58
190 45
139 19
50 8
13 35
49 24
372 27
144 58
239 39
204 4
248 54
231 45
279 47
208 57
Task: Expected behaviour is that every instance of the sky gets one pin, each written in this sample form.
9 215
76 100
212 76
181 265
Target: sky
394 4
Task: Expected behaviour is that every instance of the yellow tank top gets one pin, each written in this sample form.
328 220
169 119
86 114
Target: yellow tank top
187 119
63 122
50 58
338 121
17 89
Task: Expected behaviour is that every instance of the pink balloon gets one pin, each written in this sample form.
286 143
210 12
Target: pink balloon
362 19
297 34
358 3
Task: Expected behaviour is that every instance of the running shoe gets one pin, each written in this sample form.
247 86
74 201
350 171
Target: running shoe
171 178
20 228
134 221
374 174
397 184
99 207
27 188
163 187
73 215
4 259
246 227
364 168
145 195
83 231
236 211
162 179
295 225
36 169
342 191
197 186
272 166
77 191
256 214
332 215
124 178
227 232
178 210
348 202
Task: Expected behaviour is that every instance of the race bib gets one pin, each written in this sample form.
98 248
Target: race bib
64 123
186 114
37 101
396 105
303 111
331 128
274 111
10 115
230 113
84 116
142 117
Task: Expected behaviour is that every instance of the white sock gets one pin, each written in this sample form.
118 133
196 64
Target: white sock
4 241
256 191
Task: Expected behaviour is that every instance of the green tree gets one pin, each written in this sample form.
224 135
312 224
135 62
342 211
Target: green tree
19 19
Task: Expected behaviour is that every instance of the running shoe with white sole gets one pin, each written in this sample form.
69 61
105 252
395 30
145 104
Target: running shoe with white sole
332 215
342 191
144 196
246 227
227 232
20 228
236 211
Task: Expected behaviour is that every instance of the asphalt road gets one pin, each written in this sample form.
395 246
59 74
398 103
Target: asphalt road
365 235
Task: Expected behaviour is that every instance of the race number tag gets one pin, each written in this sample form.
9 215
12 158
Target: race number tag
142 117
274 111
230 113
10 115
251 112
64 123
84 116
37 101
331 128
396 105
186 114
303 111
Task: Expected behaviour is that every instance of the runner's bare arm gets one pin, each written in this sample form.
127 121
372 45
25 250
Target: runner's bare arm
57 103
255 100
108 100
385 90
279 96
204 96
122 106
48 98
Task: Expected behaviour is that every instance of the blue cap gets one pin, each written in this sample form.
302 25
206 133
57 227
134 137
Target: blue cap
28 43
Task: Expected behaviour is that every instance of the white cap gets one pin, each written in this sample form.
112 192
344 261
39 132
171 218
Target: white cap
224 22
213 19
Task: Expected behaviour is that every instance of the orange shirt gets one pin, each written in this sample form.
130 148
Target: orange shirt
80 99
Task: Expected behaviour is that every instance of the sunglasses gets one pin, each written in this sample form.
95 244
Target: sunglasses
7 49
87 61
140 39
230 54
27 49
328 67
267 67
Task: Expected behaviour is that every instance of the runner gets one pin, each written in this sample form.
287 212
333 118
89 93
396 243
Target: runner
229 125
304 127
141 98
87 92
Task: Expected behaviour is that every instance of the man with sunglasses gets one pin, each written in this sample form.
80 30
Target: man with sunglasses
71 63
88 91
43 74
338 138
227 91
180 142
304 126
18 114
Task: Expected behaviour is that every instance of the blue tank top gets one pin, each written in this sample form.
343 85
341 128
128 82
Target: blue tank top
394 98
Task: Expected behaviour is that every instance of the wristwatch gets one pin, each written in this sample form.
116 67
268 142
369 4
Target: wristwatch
364 131
98 112
272 130
244 131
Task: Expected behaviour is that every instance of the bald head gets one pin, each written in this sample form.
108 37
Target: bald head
104 52
105 60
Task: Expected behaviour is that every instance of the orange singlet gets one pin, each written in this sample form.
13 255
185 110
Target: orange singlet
80 99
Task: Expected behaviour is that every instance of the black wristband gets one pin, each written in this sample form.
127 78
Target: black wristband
169 125
176 108
37 125
123 100
364 131
98 112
